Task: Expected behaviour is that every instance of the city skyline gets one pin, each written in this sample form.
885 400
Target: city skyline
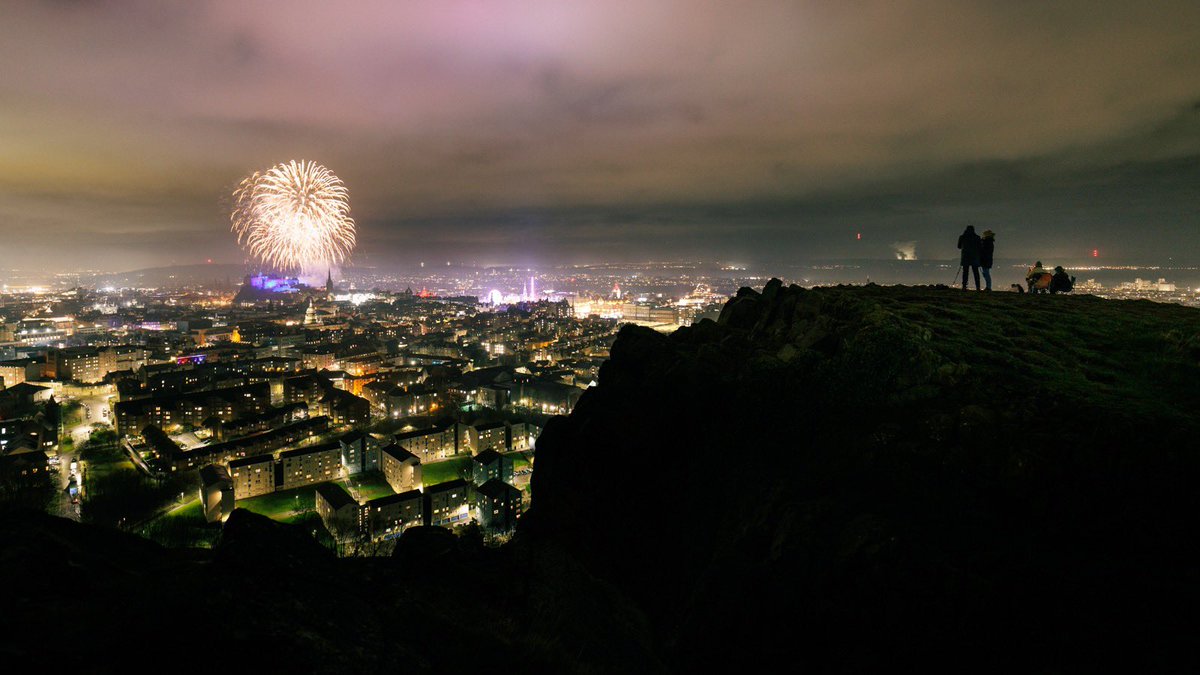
540 134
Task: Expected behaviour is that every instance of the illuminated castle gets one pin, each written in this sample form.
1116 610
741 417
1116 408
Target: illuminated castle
264 287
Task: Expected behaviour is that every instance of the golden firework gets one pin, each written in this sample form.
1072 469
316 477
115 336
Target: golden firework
294 216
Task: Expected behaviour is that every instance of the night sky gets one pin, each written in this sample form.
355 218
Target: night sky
545 132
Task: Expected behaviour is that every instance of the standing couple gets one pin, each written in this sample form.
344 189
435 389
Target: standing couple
977 253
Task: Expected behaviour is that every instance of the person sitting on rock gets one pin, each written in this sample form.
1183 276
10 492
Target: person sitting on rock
1037 278
1061 282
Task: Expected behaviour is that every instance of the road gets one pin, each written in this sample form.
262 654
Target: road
95 411
62 504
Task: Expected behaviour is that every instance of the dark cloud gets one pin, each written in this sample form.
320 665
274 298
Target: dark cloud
511 130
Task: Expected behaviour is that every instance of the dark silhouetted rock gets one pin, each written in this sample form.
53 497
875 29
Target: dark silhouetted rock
829 480
425 545
856 479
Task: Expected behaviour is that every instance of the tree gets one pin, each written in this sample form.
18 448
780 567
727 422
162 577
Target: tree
26 492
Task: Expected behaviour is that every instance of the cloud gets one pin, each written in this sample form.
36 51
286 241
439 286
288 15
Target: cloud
745 118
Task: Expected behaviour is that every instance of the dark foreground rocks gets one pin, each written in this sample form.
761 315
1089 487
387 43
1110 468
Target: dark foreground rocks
831 480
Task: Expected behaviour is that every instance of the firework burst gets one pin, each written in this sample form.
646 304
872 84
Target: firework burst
294 216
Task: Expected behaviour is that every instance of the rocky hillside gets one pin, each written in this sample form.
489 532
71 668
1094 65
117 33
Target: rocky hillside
839 480
848 478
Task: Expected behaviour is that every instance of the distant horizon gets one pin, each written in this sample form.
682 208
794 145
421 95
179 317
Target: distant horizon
828 270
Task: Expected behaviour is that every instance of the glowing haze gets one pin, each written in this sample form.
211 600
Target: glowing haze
513 131
294 217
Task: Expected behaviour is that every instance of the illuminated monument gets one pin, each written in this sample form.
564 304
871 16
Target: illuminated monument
266 287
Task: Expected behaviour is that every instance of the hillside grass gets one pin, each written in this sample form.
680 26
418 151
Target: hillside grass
183 527
370 485
446 470
1130 358
285 506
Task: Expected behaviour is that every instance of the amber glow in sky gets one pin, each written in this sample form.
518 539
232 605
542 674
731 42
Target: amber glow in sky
513 131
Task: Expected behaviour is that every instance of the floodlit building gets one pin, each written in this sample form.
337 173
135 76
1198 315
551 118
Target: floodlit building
492 436
431 444
447 503
387 517
497 505
216 493
338 510
122 357
79 364
318 358
491 465
1139 284
402 402
252 476
522 435
401 468
360 452
90 365
305 466
16 371
547 397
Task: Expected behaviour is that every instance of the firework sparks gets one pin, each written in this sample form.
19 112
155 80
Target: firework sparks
294 216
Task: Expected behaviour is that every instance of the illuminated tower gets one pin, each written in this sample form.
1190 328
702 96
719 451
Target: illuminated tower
310 313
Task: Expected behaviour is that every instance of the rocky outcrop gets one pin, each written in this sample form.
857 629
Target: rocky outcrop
854 478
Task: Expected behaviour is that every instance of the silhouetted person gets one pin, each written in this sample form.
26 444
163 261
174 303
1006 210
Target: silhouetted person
1061 282
969 242
1037 278
987 250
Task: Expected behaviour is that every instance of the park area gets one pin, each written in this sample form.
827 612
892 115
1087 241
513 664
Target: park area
285 506
446 470
367 486
520 463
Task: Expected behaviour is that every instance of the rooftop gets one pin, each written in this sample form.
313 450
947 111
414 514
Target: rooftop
335 495
252 460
